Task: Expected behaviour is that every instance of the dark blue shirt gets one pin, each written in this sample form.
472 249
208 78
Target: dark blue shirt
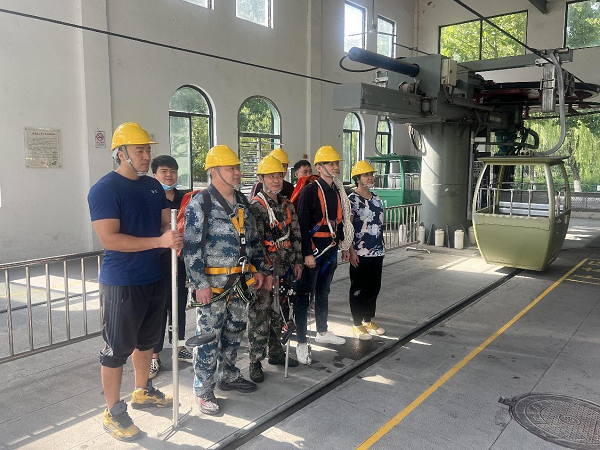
138 205
310 213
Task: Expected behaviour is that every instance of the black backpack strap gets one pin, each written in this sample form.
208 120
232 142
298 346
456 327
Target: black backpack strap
241 198
206 208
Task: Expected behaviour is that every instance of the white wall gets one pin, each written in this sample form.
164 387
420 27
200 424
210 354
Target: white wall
42 85
79 82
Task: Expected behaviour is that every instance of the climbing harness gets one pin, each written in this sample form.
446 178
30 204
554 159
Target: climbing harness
325 221
236 275
278 239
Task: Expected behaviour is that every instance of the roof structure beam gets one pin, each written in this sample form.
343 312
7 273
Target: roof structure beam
540 5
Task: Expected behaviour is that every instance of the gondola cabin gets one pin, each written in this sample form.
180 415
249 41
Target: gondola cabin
397 179
521 211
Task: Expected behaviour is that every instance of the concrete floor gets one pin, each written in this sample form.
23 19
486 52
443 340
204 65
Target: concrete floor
54 399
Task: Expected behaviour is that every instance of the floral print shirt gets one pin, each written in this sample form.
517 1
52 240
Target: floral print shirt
367 218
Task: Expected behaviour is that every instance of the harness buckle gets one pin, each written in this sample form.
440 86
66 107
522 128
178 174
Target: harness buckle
242 262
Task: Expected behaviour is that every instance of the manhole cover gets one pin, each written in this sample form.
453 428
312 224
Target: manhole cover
567 421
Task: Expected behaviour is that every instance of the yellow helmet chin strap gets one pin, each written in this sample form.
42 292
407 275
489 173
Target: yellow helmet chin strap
266 189
232 186
128 159
324 167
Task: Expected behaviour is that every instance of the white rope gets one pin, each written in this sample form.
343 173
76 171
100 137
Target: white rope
346 215
273 222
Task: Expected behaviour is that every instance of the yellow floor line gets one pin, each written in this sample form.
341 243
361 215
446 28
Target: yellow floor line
421 398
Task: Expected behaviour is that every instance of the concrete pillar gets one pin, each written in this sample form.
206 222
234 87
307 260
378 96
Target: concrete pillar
95 70
313 68
444 175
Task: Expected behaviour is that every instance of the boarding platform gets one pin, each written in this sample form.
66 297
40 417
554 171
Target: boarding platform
53 399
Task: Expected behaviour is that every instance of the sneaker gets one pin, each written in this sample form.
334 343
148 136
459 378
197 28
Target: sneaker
185 355
303 353
373 328
150 397
329 338
256 372
361 332
279 360
208 403
240 384
120 426
154 367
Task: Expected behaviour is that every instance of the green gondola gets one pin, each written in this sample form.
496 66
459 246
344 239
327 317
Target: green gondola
521 210
397 179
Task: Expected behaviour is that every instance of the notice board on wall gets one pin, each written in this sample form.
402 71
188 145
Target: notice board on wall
42 148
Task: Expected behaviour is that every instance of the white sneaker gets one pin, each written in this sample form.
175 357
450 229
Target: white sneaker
329 338
302 354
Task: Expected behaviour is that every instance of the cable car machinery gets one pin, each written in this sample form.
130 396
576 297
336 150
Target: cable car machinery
450 105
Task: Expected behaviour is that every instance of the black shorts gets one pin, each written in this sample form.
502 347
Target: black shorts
132 319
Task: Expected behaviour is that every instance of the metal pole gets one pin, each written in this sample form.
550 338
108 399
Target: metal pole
49 304
11 347
29 310
84 298
174 325
67 311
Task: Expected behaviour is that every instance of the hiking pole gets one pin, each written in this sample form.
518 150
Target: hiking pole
175 324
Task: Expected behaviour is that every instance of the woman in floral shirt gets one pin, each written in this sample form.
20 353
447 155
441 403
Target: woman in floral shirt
366 253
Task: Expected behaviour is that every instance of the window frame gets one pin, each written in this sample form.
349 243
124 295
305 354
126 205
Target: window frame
481 21
210 4
565 24
359 151
269 15
393 37
363 10
387 133
275 138
188 116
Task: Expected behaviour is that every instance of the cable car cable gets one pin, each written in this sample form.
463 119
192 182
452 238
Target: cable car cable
159 44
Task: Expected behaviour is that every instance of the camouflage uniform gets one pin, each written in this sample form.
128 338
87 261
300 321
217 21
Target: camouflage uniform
225 317
265 322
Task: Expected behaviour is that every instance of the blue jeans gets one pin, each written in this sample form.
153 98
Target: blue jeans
320 284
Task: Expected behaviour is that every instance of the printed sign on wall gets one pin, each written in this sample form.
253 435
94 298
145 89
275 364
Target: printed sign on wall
42 148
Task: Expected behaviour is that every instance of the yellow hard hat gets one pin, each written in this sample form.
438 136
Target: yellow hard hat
130 133
327 154
269 164
360 168
280 155
220 155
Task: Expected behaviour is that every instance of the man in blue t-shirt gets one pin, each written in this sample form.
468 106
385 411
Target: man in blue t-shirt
130 215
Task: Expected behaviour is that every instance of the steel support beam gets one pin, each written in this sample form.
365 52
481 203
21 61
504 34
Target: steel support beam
540 5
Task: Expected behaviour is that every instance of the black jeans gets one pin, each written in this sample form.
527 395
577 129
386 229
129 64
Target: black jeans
320 284
181 298
365 283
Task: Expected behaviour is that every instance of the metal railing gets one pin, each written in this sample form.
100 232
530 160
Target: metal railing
401 225
61 285
585 201
520 202
39 290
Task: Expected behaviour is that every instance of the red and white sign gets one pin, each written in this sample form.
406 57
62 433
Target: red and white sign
100 137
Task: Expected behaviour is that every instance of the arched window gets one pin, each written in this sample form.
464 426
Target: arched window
383 138
352 143
191 134
259 131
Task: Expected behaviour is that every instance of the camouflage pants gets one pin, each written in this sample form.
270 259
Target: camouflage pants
228 321
264 327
